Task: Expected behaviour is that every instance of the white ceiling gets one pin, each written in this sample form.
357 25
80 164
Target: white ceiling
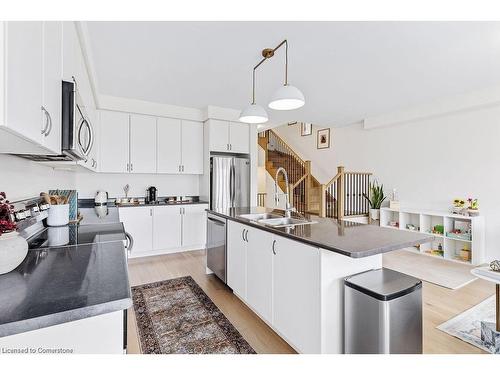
347 71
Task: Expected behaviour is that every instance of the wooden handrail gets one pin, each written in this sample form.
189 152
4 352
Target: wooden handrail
299 181
288 147
337 176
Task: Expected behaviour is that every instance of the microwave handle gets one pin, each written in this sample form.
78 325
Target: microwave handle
86 150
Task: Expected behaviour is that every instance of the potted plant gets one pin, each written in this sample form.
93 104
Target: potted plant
375 199
473 208
13 248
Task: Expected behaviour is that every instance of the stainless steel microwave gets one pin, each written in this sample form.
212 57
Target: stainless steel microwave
77 130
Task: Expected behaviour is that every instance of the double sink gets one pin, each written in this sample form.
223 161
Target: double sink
276 221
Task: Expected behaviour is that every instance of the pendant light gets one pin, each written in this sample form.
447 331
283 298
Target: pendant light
285 98
254 113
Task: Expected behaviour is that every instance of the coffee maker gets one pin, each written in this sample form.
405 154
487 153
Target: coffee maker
151 195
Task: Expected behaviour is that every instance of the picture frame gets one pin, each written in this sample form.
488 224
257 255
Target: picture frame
323 138
305 129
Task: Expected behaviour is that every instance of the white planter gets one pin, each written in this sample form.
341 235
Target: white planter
375 213
58 215
13 250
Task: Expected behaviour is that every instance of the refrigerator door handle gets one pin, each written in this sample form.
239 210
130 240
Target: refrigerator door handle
232 184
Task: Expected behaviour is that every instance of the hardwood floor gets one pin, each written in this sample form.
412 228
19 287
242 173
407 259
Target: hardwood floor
440 304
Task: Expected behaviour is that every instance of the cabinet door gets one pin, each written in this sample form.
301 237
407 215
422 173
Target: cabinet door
23 62
142 144
169 145
192 147
167 227
219 135
260 271
70 45
138 222
114 142
236 258
296 294
239 136
194 225
52 77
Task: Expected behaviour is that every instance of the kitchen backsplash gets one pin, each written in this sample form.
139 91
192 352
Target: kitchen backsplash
88 183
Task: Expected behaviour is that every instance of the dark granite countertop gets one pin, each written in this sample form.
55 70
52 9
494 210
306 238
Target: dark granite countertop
347 238
62 284
89 203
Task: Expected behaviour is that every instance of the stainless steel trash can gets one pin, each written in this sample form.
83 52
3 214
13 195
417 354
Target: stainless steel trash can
382 313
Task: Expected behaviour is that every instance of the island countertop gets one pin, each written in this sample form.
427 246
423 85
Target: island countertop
344 237
61 284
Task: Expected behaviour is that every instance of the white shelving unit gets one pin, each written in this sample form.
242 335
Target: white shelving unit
447 245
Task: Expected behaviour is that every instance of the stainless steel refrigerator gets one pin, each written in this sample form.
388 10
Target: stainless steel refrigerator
229 182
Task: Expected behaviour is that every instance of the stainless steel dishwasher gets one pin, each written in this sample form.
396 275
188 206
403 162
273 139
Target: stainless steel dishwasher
216 245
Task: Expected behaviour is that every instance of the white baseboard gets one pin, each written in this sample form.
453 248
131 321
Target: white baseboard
166 251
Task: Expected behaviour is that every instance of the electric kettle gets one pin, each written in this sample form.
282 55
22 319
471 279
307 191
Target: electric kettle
101 198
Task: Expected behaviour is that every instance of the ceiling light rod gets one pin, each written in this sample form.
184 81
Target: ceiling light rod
267 53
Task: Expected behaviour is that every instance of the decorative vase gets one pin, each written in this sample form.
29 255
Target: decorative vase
13 250
374 213
473 212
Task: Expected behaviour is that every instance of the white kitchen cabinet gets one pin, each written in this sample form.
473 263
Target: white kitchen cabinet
297 294
179 146
169 158
71 46
52 85
192 147
236 258
138 222
194 225
226 136
167 227
114 142
142 144
219 135
259 264
239 137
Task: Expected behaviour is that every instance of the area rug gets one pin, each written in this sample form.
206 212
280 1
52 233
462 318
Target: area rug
177 317
445 273
467 325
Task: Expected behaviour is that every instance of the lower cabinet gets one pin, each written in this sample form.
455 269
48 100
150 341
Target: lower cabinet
138 222
236 247
280 280
260 272
165 229
297 294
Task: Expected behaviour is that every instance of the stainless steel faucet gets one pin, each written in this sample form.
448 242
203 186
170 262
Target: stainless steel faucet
288 206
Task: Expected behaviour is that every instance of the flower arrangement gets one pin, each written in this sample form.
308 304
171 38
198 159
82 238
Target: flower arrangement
473 204
6 212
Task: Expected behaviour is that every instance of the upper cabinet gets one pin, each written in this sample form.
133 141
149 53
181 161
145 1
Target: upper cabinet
114 142
131 143
179 146
142 144
32 72
227 136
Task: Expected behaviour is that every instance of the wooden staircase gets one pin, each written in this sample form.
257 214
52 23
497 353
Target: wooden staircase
307 194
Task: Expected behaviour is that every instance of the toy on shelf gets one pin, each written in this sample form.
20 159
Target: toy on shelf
438 229
412 227
459 207
462 231
394 224
465 254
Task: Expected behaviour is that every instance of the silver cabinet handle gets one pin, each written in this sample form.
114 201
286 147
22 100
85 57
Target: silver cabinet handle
128 169
50 123
246 236
131 167
150 212
274 250
243 234
46 127
230 147
179 168
183 167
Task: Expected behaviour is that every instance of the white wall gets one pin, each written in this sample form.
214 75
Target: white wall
168 185
430 162
22 178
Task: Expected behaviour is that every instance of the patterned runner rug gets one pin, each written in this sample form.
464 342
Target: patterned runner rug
177 317
467 325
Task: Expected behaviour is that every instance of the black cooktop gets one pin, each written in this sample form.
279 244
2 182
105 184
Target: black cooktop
71 235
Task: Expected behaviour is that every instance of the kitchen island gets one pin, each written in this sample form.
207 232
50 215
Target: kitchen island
292 277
